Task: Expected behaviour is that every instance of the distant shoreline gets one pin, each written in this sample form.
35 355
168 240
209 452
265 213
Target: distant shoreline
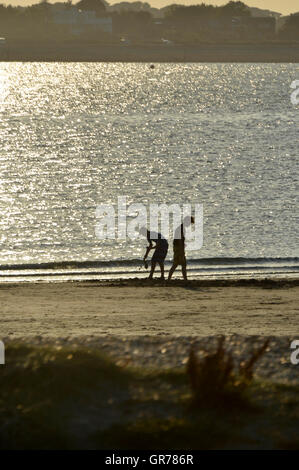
77 52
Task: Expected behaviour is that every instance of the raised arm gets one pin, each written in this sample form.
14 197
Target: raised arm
149 248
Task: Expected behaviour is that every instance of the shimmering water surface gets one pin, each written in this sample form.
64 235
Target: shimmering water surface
77 135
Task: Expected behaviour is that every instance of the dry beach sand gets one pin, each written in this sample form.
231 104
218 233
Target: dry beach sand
134 307
154 324
60 391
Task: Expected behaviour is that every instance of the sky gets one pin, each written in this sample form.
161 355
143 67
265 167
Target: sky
281 6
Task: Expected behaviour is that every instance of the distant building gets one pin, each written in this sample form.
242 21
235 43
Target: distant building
80 21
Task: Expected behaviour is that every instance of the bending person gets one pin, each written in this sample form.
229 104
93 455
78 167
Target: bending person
158 243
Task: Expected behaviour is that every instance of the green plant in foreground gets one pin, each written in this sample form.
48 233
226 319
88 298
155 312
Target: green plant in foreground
73 397
214 379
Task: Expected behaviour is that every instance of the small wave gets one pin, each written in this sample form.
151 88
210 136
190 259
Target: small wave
135 263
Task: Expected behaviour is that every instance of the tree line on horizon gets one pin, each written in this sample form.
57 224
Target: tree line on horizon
179 23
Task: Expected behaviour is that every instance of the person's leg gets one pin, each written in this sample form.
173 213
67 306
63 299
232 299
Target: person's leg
172 269
161 264
184 270
153 267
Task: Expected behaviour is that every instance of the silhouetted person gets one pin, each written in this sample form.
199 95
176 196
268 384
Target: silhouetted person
179 257
160 247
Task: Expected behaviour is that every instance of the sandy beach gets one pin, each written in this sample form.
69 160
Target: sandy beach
113 356
198 308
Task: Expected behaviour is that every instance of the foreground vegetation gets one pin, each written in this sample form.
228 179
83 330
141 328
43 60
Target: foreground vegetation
54 397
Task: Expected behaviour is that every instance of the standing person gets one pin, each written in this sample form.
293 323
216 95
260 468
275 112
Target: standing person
179 257
160 247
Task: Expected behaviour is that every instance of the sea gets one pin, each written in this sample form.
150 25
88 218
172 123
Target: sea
76 136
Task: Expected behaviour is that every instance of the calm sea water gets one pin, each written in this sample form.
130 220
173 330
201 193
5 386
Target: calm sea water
77 135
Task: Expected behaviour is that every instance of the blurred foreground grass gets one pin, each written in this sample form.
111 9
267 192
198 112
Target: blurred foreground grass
74 398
